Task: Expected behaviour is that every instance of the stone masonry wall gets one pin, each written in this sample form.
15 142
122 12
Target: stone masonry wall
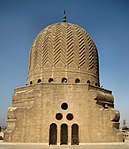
96 118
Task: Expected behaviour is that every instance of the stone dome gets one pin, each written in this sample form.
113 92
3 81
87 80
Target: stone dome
63 53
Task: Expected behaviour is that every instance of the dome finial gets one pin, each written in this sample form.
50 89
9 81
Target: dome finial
64 17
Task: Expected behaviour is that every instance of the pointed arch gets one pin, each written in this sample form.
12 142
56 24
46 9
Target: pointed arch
64 134
75 134
77 80
53 134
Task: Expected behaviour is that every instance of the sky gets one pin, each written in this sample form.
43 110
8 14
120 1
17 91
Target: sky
107 22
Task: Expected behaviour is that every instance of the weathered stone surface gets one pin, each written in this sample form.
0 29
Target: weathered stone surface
63 102
32 123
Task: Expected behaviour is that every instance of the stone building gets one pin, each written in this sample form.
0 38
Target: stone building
1 134
63 102
125 131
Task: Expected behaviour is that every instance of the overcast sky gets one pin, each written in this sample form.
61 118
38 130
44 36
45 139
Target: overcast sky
107 22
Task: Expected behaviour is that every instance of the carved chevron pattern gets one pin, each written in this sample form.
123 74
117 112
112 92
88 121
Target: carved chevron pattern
47 49
39 53
82 52
70 46
59 45
93 56
91 52
96 61
33 55
63 43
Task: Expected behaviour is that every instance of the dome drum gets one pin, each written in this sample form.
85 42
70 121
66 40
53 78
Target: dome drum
57 76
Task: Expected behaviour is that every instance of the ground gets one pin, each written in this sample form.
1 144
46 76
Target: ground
86 146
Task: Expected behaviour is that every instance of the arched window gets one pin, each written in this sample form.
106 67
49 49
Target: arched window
53 134
64 134
77 80
50 80
96 84
64 80
39 80
75 135
31 82
88 81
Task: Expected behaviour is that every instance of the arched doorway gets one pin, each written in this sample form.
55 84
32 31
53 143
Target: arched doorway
64 134
75 137
53 134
